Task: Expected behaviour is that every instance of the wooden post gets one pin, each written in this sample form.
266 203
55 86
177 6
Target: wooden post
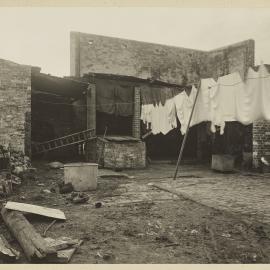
185 137
91 120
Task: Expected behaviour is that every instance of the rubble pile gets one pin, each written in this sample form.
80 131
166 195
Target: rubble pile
14 165
19 163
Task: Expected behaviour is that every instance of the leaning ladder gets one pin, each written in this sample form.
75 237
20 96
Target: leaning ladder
75 138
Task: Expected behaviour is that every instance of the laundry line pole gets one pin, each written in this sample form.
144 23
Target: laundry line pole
186 134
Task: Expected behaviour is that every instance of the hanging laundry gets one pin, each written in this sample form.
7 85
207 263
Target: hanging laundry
179 106
184 104
161 119
223 100
202 110
146 114
264 79
171 112
248 99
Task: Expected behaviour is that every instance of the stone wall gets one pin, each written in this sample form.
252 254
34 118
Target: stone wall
129 155
15 106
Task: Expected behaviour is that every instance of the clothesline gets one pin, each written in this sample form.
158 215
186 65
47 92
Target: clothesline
225 100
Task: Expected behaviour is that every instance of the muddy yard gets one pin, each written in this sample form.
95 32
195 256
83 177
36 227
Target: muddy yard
138 223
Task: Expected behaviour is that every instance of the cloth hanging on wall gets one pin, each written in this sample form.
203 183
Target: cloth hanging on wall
114 97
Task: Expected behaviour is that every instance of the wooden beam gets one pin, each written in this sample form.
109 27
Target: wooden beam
33 245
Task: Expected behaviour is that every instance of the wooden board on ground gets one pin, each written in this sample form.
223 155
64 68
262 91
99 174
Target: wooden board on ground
35 209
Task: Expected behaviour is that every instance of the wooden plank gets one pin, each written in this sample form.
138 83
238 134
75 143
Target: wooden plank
35 209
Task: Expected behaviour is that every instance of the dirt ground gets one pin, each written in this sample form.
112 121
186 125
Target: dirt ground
138 223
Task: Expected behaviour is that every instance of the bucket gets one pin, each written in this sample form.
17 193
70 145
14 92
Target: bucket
82 176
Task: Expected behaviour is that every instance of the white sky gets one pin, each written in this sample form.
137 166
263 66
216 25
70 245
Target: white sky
40 36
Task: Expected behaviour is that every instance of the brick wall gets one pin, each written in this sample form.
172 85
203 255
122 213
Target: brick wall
261 141
232 58
15 106
100 54
129 155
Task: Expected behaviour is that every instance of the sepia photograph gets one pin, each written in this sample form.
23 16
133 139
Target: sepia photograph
134 134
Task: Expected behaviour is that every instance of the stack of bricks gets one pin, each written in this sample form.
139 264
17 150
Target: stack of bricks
261 141
15 106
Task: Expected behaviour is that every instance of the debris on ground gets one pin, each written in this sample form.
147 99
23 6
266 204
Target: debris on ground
78 197
194 232
227 235
56 165
65 188
98 204
35 209
46 191
33 245
50 225
65 247
61 242
7 253
8 182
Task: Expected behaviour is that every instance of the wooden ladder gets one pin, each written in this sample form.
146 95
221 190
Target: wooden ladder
75 138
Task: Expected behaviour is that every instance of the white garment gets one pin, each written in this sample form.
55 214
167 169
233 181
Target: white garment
264 84
248 99
179 101
223 100
171 112
184 104
164 124
202 107
146 114
159 118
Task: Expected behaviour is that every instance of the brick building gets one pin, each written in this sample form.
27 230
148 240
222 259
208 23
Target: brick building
37 107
